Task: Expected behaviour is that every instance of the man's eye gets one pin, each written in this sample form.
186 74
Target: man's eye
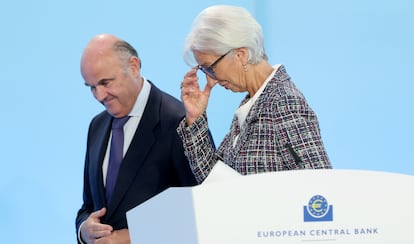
106 83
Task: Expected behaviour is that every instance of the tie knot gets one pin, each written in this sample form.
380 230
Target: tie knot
118 123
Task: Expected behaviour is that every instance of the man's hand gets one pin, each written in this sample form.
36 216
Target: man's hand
92 229
117 237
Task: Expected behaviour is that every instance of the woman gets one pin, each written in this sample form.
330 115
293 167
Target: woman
273 129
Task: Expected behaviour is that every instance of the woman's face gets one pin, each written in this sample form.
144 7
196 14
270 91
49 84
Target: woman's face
226 69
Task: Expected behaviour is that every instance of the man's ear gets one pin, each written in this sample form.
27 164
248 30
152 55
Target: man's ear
135 65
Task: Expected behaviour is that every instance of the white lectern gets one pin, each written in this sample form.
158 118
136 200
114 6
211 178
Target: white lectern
301 206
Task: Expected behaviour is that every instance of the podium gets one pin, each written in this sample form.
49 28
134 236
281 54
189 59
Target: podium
298 206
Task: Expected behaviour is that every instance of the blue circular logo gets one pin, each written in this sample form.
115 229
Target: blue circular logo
318 206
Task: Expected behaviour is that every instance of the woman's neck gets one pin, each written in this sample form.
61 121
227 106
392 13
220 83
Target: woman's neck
257 76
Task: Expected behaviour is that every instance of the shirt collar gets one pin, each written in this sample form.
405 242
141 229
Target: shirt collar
142 99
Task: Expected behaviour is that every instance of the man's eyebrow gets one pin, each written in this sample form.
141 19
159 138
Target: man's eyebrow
100 82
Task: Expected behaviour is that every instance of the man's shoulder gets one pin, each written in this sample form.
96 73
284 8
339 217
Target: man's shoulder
102 116
167 100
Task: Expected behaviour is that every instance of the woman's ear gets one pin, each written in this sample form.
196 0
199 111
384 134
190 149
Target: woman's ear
242 53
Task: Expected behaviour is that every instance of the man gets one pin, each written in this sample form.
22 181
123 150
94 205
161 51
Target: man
153 157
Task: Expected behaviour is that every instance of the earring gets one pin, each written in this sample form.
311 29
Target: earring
245 67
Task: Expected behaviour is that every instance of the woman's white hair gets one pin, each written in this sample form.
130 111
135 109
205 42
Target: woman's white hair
220 28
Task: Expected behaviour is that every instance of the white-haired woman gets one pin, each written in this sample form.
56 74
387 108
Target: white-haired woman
274 128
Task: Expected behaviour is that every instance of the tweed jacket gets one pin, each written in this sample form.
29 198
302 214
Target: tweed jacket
281 132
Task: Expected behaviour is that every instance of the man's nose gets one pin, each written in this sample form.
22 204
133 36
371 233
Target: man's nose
100 93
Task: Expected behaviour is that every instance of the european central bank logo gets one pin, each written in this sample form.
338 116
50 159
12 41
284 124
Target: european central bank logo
317 209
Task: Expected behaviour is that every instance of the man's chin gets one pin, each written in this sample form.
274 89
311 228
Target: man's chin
111 111
116 114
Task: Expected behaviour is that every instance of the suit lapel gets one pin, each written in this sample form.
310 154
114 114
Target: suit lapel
140 146
244 129
252 116
97 154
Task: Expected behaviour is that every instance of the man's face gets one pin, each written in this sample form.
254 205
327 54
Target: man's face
112 83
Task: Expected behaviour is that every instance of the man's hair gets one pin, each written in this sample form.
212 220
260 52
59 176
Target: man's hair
125 51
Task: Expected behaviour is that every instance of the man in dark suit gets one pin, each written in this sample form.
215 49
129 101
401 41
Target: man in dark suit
153 156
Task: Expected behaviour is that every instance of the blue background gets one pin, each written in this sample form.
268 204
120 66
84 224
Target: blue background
352 60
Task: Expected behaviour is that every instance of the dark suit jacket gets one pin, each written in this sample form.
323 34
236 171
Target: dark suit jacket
154 161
